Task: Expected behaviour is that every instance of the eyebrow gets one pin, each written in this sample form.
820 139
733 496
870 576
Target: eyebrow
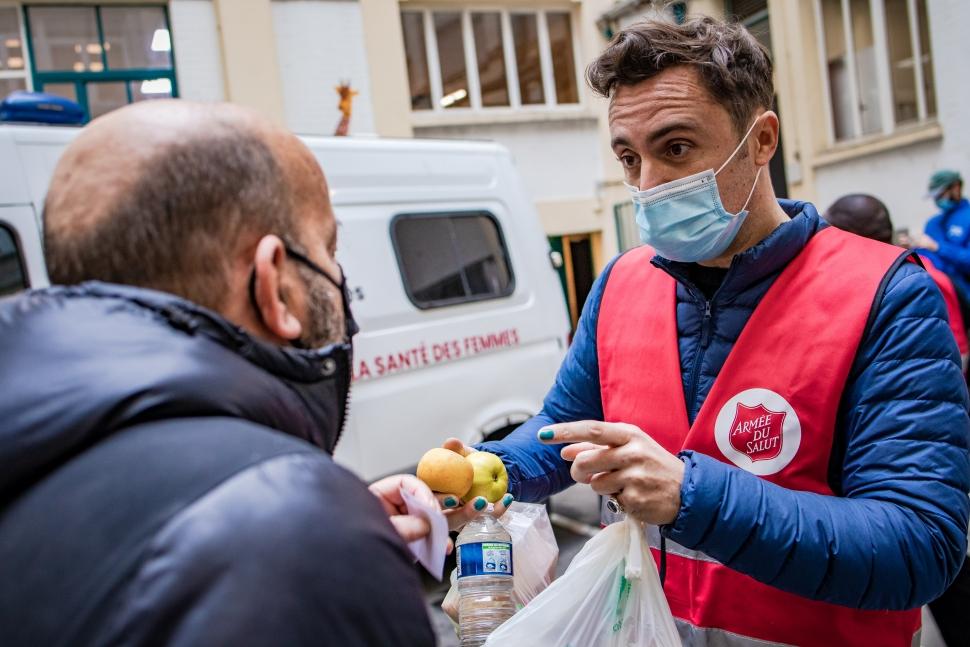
669 128
656 135
619 141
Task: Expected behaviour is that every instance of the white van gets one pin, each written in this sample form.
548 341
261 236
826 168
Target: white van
463 321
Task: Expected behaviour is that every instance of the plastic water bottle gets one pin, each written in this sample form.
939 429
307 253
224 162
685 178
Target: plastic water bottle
484 579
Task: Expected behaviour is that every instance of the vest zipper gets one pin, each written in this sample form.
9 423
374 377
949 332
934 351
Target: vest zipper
698 358
706 326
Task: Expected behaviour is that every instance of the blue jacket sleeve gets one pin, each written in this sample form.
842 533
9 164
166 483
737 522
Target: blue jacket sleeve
536 470
897 536
954 254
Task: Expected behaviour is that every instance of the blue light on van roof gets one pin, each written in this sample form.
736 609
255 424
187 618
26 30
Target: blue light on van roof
40 108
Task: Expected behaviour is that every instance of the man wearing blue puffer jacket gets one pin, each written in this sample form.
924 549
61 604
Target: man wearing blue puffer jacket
946 239
782 399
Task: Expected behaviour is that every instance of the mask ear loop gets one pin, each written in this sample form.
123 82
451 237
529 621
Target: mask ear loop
740 144
753 187
728 161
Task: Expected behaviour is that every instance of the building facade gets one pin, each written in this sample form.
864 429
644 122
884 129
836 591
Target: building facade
872 97
510 72
859 111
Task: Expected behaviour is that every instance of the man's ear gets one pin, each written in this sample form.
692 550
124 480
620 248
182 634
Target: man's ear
765 135
270 289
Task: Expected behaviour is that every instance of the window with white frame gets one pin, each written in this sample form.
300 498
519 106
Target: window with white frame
490 59
13 62
876 65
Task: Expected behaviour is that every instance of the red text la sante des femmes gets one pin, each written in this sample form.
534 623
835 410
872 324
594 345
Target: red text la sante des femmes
428 354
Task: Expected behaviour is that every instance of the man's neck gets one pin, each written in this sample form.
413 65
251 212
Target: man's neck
764 216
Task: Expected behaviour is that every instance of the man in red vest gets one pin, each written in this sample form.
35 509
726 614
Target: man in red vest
782 401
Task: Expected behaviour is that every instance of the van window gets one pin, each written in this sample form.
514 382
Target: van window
452 258
11 267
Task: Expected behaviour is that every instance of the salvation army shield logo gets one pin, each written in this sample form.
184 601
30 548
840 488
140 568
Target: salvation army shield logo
759 431
756 431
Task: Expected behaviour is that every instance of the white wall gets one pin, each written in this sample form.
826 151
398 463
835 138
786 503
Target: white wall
320 43
898 176
198 61
558 160
951 51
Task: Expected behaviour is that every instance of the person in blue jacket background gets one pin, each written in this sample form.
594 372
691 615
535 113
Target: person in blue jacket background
946 237
895 532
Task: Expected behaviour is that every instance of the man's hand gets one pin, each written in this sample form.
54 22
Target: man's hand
388 492
461 512
925 242
621 460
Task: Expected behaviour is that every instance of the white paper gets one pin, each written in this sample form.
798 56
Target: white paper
430 550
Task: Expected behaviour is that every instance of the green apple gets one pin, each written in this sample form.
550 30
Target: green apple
489 479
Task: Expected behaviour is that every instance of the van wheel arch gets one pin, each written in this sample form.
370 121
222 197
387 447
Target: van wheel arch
501 433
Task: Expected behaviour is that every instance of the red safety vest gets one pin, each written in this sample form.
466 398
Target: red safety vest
952 306
771 411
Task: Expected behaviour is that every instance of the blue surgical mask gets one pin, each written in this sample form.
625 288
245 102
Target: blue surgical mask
945 204
684 220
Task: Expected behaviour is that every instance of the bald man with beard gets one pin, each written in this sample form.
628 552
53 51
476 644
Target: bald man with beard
170 408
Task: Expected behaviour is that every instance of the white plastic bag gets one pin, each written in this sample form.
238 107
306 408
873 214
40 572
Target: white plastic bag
535 553
610 596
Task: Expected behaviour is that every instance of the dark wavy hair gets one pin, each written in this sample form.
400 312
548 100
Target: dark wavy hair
734 66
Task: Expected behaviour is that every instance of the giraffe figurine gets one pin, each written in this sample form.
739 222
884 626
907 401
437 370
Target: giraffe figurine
346 108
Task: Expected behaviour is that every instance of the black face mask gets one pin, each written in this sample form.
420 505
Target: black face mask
327 397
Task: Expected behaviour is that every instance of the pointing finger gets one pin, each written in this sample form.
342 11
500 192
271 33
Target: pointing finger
613 434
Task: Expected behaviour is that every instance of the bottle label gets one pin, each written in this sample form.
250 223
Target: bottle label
485 558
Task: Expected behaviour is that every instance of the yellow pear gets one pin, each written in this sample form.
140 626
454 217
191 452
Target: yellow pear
446 471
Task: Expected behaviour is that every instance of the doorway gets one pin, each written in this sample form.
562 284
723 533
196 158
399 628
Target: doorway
577 273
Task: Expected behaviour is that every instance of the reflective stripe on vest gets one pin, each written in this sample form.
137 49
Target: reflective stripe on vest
771 411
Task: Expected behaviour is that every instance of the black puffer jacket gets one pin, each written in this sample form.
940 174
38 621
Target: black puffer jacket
148 496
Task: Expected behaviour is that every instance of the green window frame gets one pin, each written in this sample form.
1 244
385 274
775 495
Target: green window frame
80 80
